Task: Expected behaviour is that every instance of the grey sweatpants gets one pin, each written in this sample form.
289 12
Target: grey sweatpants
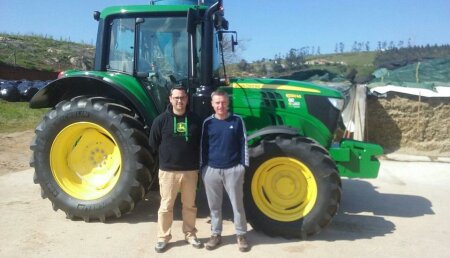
232 179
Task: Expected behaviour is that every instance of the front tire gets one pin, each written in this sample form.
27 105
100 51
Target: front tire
292 188
91 159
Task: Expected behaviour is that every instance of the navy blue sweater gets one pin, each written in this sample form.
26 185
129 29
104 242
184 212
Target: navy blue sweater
224 142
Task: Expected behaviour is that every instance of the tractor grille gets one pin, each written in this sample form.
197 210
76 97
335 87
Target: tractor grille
272 100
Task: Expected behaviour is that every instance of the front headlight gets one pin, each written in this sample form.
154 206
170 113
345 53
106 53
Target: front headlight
337 103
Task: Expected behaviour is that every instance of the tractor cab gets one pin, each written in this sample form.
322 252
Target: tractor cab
163 46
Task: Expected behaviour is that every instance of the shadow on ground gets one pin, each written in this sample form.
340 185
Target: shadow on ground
362 214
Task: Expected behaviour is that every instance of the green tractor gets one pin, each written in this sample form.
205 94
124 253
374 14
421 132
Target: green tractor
91 153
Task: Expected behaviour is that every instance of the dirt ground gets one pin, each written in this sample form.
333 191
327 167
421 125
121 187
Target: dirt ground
402 213
15 151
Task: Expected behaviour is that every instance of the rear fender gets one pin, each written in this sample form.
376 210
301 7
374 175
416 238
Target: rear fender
69 87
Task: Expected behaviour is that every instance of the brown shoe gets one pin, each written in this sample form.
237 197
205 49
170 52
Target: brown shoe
242 243
213 242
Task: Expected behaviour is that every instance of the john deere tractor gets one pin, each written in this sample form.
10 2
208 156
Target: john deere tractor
91 153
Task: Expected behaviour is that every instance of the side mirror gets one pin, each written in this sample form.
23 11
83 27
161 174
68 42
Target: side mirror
96 15
234 41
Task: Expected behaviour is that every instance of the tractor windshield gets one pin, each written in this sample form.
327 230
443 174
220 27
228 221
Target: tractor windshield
162 47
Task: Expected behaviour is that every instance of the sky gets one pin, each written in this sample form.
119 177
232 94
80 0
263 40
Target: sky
265 28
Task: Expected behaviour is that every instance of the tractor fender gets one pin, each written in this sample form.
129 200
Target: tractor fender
275 130
67 88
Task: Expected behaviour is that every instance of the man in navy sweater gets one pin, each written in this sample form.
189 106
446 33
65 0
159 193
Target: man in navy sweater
224 155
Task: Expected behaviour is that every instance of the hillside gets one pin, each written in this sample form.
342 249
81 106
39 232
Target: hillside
354 67
44 54
47 54
327 67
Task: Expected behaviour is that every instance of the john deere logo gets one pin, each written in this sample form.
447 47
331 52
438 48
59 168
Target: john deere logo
181 127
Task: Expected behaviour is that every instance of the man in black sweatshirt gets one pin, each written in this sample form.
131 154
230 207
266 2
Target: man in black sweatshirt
175 134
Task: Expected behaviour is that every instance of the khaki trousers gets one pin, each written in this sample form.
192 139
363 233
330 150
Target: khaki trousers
170 183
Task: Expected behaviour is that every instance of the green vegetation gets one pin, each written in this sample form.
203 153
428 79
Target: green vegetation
44 53
352 58
17 116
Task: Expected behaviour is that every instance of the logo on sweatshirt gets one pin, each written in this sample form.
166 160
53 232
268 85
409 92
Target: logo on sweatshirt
181 127
231 127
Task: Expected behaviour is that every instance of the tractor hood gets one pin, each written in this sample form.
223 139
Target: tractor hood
314 110
285 85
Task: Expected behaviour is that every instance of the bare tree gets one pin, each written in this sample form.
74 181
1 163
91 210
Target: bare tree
367 46
341 47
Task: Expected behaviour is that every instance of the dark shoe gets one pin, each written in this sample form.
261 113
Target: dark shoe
213 242
194 242
242 243
160 247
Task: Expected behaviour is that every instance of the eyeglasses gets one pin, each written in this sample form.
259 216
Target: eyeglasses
179 98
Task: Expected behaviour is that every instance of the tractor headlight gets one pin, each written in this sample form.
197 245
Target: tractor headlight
337 103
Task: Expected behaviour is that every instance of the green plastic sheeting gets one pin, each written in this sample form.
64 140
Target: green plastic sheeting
425 74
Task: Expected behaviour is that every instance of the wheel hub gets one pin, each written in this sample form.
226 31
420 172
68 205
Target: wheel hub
85 160
284 189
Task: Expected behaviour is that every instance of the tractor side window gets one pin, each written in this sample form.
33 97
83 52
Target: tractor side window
121 50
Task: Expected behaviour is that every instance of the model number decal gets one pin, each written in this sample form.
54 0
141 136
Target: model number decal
290 95
293 103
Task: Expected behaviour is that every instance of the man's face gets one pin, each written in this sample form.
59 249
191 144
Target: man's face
220 105
179 100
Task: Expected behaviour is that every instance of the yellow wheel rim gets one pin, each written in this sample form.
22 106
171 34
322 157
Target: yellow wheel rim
284 189
85 161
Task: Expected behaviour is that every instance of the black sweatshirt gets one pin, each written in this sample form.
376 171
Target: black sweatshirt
179 149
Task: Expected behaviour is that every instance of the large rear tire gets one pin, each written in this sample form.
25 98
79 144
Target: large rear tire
292 188
91 158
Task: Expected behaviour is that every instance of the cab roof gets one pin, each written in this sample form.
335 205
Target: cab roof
132 9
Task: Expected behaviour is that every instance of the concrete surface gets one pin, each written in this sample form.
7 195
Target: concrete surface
403 213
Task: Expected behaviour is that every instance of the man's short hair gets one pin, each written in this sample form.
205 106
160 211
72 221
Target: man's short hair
220 93
178 87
